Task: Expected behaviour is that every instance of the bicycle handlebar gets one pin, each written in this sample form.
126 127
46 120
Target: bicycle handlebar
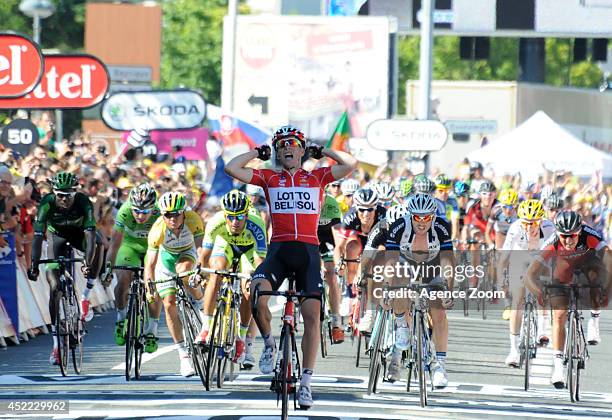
58 260
225 273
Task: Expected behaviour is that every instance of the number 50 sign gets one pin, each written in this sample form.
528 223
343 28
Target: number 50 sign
19 135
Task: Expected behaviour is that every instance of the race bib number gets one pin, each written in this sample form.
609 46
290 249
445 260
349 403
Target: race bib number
302 200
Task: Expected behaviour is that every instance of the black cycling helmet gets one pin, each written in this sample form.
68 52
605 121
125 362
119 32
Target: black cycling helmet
475 166
288 132
553 202
568 221
487 187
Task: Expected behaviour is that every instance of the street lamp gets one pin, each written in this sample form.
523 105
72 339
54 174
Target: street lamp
42 9
37 9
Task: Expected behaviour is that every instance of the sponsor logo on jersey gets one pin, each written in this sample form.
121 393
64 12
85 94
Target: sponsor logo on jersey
295 200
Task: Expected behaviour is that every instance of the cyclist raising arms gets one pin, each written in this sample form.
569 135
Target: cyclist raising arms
295 197
234 238
573 247
172 244
67 216
129 247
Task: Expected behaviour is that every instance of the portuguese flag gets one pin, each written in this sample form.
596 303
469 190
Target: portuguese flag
341 134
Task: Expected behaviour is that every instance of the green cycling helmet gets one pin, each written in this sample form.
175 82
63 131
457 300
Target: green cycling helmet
405 188
172 202
64 181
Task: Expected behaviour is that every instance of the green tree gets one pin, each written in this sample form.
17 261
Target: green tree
191 45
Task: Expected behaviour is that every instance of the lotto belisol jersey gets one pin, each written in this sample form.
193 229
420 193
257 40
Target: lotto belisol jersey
294 201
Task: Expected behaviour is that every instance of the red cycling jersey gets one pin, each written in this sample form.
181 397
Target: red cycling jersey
474 216
565 262
295 201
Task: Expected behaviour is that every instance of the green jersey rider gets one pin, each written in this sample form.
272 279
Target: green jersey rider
128 247
67 217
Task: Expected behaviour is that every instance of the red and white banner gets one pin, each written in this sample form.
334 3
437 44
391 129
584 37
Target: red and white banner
69 81
21 65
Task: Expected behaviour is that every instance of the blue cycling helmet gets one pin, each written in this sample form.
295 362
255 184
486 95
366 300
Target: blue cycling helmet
461 189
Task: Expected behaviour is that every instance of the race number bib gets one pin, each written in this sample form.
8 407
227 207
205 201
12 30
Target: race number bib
301 200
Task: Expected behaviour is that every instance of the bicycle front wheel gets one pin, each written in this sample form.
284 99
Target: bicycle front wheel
62 329
420 362
76 335
215 340
130 337
375 355
285 371
528 337
191 326
139 339
573 372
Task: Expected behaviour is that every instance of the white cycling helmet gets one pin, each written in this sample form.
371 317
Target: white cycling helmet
365 197
395 212
385 191
421 203
349 186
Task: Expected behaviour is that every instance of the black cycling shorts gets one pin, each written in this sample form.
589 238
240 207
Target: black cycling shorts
286 258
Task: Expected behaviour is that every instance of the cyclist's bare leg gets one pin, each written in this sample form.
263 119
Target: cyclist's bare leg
311 312
52 279
213 285
559 318
353 252
264 316
245 304
440 326
122 288
333 287
518 301
172 318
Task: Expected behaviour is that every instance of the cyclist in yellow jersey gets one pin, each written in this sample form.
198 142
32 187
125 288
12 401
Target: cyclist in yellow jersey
172 244
234 238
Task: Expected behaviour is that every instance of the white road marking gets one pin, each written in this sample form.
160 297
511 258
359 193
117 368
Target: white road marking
147 357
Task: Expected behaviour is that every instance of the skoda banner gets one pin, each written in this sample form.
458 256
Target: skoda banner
154 110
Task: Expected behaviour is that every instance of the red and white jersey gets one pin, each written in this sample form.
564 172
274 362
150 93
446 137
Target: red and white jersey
294 201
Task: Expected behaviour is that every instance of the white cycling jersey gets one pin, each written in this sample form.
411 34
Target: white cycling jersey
517 239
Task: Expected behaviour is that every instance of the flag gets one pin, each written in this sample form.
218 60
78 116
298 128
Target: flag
232 131
222 183
341 134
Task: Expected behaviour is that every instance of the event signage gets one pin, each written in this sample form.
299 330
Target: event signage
21 65
70 81
188 143
8 275
407 135
154 110
471 126
20 135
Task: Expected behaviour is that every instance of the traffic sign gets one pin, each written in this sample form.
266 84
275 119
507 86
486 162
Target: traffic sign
471 126
407 135
20 135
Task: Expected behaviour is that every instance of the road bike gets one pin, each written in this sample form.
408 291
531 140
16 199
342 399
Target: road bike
191 322
576 352
137 317
69 324
382 339
421 354
225 329
528 345
287 370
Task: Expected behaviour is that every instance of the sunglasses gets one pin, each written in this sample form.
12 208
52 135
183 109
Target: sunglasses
64 195
443 189
232 217
526 223
288 143
509 207
335 185
172 214
142 211
427 218
365 209
569 235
